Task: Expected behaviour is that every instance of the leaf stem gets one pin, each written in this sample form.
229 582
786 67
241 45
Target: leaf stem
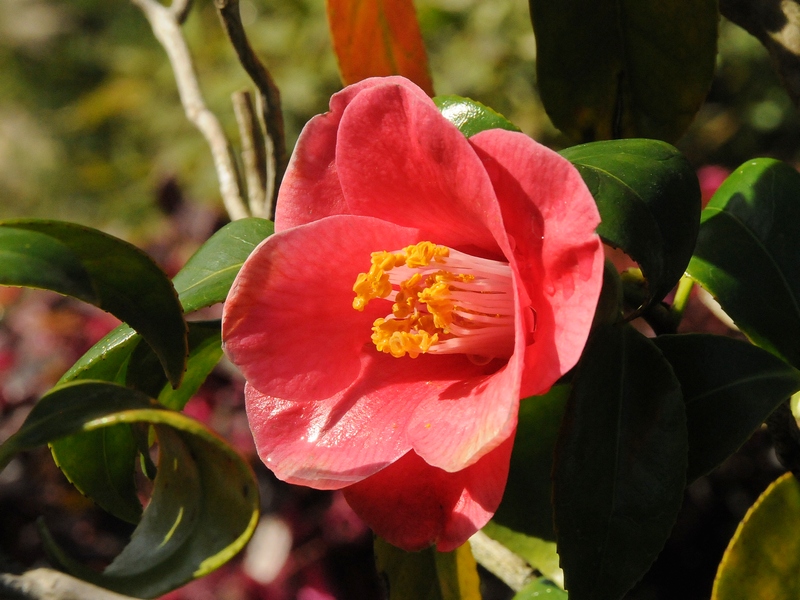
682 294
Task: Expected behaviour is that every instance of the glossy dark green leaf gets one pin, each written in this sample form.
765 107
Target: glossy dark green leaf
541 589
747 254
204 505
620 464
428 574
763 557
101 463
624 68
209 273
730 387
113 275
540 554
471 117
649 202
526 505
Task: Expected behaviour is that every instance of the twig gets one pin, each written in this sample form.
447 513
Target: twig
254 160
46 584
785 435
501 562
180 10
268 92
167 30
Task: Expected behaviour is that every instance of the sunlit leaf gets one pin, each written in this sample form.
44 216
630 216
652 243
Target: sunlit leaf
540 554
100 463
763 558
747 254
471 117
209 273
730 387
378 38
119 357
428 574
620 465
624 68
100 269
649 202
541 589
204 505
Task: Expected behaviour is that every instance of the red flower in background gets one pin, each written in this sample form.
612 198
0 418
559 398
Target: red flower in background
419 284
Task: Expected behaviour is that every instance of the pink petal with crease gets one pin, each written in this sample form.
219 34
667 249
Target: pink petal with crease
310 189
398 159
412 505
561 255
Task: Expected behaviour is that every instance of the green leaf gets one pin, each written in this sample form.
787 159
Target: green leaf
541 589
120 358
205 351
527 504
428 574
649 202
763 557
747 252
730 387
209 273
540 554
624 68
100 464
103 270
620 464
204 505
471 117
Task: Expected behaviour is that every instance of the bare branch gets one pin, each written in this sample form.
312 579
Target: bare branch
500 561
180 10
46 584
254 159
268 91
168 32
776 24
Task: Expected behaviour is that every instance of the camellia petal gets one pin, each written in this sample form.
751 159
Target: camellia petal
413 505
312 170
558 251
419 285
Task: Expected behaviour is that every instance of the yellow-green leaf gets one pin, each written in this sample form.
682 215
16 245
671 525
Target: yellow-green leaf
763 558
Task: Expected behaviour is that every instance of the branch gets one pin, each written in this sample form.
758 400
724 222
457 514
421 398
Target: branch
776 24
46 584
501 562
254 158
165 25
268 92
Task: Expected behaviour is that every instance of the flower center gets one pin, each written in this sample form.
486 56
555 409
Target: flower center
445 302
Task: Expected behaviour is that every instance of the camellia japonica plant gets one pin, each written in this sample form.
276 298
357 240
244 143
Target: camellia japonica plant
428 322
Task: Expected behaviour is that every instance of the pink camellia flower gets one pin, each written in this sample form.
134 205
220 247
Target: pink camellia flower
419 284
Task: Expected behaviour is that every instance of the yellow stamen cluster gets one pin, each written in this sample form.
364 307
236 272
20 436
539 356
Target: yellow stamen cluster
423 308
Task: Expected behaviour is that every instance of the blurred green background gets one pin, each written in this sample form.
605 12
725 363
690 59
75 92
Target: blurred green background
91 126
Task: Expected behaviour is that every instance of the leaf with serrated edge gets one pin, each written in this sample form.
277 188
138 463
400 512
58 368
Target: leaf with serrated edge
763 557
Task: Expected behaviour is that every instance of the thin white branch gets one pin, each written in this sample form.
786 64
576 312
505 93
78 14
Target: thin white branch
167 30
46 584
500 561
254 160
